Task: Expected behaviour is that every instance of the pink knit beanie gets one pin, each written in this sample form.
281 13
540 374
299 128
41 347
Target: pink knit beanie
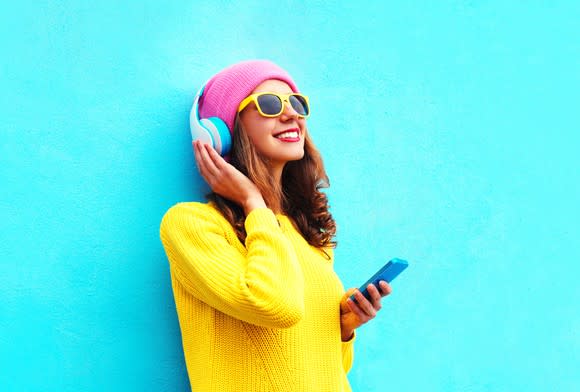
225 90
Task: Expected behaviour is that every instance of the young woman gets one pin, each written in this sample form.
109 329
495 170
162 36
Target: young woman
259 304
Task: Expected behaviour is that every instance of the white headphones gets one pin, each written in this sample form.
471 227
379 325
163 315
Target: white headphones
212 131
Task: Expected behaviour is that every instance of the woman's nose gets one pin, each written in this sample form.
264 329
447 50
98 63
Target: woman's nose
288 111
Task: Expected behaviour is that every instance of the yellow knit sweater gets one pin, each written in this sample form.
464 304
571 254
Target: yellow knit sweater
260 317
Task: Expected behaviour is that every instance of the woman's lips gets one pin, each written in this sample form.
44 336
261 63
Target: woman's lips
289 135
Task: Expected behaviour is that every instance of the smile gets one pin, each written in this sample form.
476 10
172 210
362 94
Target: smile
291 135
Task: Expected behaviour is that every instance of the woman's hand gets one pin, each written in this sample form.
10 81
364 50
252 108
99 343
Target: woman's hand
226 180
353 314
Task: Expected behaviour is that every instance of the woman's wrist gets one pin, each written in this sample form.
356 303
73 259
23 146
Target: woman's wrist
252 203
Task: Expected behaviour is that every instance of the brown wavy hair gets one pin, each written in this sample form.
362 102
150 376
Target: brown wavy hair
298 196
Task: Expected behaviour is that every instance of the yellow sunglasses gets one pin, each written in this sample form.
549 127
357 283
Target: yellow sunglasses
272 104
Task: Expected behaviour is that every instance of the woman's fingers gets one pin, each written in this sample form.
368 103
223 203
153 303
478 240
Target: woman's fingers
207 163
216 159
385 288
375 296
364 304
355 308
363 310
199 159
197 155
223 178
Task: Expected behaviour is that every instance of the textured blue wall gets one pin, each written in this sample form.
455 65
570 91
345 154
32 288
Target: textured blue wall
449 130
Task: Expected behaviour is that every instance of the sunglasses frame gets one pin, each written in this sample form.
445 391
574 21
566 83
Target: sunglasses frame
284 98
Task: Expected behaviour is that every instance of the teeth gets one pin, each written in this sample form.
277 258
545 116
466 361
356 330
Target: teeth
291 134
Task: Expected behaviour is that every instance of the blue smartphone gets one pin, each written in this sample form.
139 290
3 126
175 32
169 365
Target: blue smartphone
389 272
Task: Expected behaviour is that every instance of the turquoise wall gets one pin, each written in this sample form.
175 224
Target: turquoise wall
450 131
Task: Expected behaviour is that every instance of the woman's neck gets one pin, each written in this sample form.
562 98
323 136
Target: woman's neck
276 173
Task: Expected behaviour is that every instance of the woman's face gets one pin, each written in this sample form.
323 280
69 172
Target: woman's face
270 135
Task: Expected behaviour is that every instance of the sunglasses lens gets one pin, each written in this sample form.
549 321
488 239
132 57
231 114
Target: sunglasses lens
270 104
299 104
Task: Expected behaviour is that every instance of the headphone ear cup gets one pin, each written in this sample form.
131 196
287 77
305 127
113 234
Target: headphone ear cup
212 131
198 131
220 134
224 134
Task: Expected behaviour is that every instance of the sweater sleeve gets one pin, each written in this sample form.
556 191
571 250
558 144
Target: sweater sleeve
348 353
264 287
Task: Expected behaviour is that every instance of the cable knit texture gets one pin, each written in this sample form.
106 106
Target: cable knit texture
260 317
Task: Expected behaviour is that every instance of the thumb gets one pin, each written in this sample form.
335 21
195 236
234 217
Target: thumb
343 306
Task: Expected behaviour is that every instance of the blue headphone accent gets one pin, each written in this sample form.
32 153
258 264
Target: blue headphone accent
212 131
